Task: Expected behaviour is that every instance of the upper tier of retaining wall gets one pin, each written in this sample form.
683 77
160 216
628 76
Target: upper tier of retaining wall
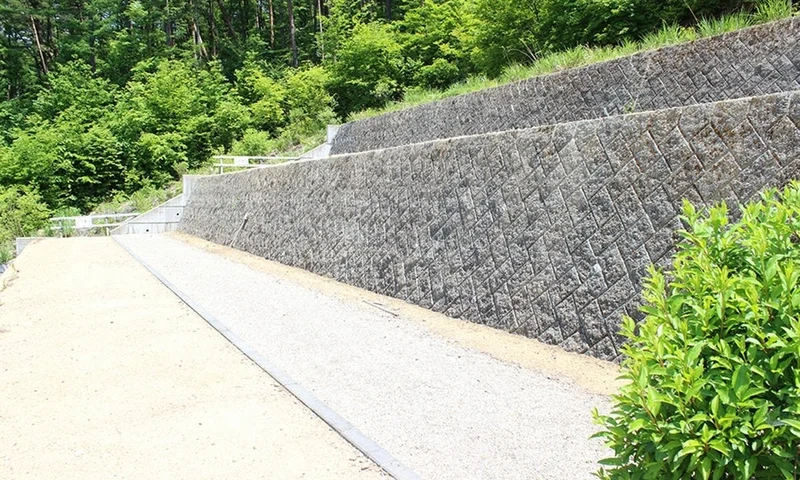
750 62
545 232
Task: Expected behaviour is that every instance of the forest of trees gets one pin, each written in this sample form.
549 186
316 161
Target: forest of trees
106 97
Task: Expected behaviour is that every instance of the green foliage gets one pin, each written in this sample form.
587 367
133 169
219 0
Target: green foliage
437 38
103 99
566 23
367 71
95 162
254 143
75 94
6 252
439 74
342 18
715 26
769 10
265 95
713 385
505 34
139 201
22 213
309 105
33 158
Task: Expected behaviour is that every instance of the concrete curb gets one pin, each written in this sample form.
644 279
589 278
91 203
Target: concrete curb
364 444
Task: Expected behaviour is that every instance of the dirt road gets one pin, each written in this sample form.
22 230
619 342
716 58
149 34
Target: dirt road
105 374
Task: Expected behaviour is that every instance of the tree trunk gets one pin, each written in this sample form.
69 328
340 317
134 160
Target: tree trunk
168 25
200 48
245 23
198 41
39 45
212 29
292 32
227 19
271 26
321 33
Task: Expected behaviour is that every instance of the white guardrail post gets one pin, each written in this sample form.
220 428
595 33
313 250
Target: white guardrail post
85 223
239 161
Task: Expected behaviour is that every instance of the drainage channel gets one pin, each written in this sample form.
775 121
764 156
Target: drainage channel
367 446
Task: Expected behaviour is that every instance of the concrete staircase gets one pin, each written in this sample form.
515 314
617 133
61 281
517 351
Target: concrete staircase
536 207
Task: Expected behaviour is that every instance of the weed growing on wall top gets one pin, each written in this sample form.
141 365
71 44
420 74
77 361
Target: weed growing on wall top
714 368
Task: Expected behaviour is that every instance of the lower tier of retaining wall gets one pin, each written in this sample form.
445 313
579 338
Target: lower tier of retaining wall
546 232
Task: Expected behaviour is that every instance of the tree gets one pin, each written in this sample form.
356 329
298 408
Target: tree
367 69
436 37
506 33
22 213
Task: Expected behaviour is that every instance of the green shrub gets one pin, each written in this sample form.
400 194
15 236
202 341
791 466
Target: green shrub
268 97
22 213
368 69
714 368
6 253
716 26
769 10
440 74
307 99
254 143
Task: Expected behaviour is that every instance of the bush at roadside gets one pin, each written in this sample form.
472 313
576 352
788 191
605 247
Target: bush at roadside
22 213
714 368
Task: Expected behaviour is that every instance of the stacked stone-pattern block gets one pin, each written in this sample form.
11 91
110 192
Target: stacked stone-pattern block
751 62
546 232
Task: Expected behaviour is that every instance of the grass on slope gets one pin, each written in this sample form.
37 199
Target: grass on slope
580 56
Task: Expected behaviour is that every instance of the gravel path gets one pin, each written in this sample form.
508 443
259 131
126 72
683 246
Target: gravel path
445 411
104 374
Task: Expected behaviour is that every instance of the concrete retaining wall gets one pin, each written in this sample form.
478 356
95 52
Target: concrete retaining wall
545 232
755 61
23 242
163 218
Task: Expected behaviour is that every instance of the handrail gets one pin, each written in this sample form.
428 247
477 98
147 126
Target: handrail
85 223
105 215
243 161
221 157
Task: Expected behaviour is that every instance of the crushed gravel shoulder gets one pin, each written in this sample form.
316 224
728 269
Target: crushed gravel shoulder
449 400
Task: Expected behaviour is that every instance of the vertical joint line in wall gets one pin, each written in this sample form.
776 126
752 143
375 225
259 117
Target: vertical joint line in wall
241 227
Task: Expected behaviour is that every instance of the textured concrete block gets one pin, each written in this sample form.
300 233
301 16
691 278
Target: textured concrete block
533 231
755 61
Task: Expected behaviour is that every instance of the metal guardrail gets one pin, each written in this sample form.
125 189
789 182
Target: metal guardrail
86 223
245 161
